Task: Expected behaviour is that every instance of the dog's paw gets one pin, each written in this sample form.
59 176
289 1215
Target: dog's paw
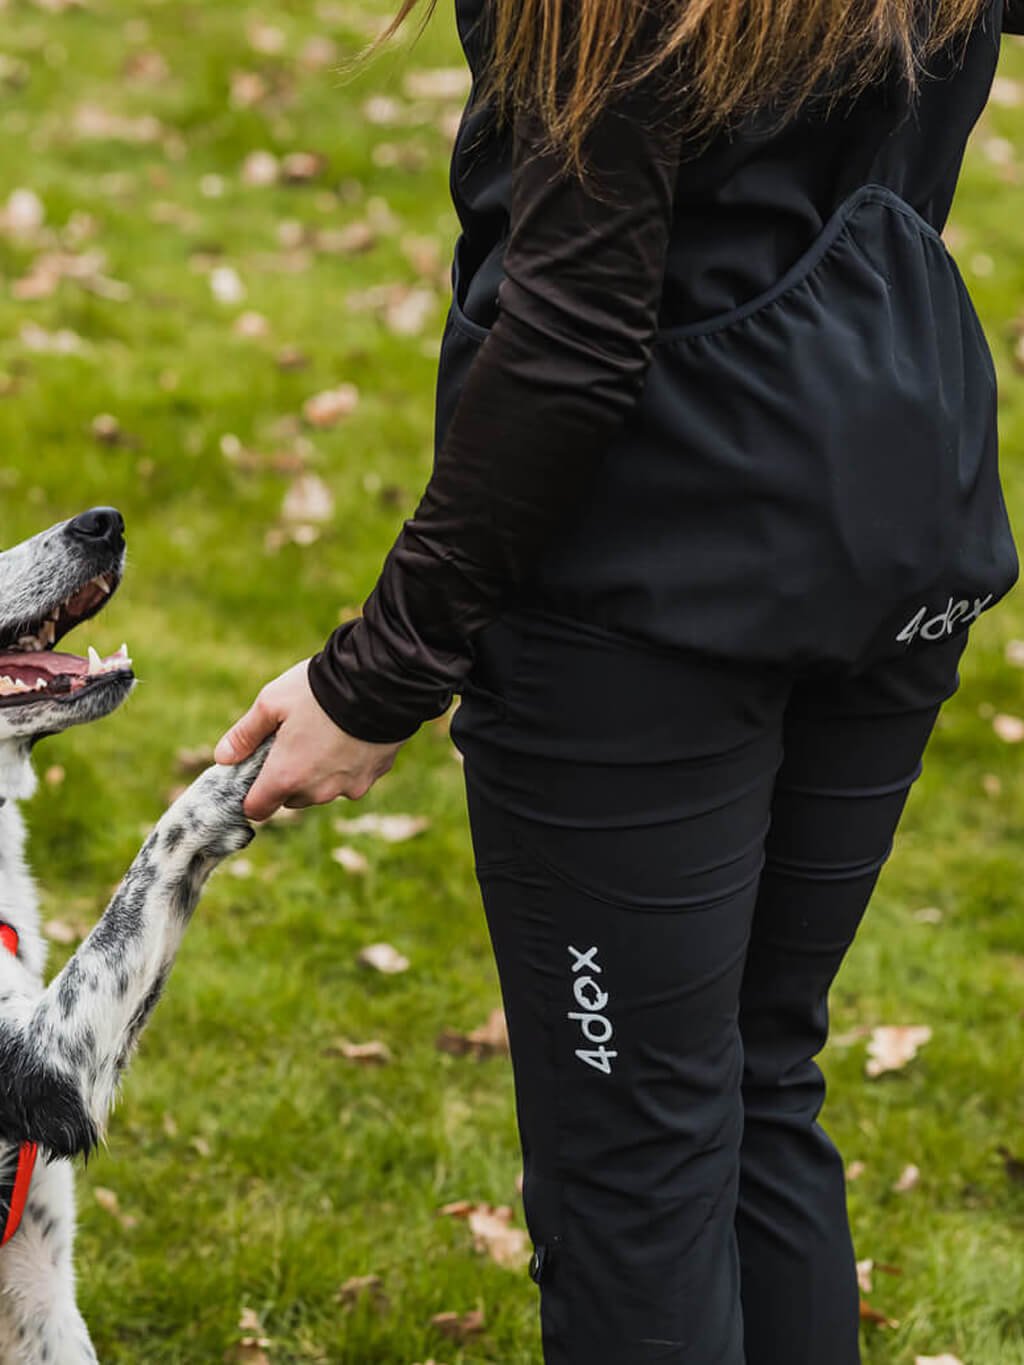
207 817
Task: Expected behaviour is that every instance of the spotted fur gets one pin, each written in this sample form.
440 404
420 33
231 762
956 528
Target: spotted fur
63 1047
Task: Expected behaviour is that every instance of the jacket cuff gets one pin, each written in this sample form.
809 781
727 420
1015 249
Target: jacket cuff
357 716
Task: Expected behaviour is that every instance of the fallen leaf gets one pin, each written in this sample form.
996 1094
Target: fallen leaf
491 1226
869 1314
108 1201
489 1040
362 1285
60 931
248 88
251 325
308 499
392 829
226 284
855 1170
90 121
459 1326
54 775
864 1269
909 1177
384 958
265 38
260 168
351 859
938 1360
23 214
346 241
299 167
374 1053
442 83
326 408
409 315
892 1046
929 914
1015 653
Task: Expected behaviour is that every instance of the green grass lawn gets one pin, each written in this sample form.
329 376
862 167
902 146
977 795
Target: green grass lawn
253 1169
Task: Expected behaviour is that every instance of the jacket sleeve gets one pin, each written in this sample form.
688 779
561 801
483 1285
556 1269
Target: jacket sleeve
560 369
1013 16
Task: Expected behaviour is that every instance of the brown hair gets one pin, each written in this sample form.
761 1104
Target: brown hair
562 59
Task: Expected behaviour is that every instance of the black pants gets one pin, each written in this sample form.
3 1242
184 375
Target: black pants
674 855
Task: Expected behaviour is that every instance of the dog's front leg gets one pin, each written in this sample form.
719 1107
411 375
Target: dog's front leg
61 1058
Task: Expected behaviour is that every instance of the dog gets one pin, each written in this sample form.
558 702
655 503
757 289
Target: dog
64 1047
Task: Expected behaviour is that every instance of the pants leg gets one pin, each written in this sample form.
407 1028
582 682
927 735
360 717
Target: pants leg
619 896
853 749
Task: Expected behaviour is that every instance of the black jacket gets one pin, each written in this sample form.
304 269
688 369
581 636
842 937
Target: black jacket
554 430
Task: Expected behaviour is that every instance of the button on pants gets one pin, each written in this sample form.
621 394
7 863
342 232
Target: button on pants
674 854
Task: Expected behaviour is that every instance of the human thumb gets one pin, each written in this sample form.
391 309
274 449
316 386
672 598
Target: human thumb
244 736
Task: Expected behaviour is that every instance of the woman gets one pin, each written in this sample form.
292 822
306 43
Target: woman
715 503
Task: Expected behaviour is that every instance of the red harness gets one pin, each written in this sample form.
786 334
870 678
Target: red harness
14 1193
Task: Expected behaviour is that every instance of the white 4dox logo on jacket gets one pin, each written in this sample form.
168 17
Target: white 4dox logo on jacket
935 627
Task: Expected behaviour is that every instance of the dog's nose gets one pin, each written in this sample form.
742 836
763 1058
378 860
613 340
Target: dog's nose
99 524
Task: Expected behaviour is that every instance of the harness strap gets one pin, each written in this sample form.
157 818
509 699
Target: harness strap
14 1193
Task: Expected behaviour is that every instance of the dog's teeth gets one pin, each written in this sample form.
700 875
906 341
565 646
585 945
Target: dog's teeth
101 582
122 653
40 684
29 642
95 662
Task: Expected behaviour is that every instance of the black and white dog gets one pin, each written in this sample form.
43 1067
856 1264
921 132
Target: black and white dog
63 1047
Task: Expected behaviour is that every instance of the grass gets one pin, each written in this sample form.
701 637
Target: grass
261 1173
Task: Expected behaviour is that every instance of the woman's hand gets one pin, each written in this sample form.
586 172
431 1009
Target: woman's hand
312 759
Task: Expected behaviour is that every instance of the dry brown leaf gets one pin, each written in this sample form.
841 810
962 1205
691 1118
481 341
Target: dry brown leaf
864 1269
384 958
265 38
90 121
308 500
374 1053
351 859
359 1285
318 52
493 1234
855 1170
298 168
909 1177
326 408
54 775
892 1046
346 241
459 1326
108 1201
1009 728
392 829
1015 651
226 284
251 325
929 914
869 1314
60 931
248 88
489 1040
441 83
409 315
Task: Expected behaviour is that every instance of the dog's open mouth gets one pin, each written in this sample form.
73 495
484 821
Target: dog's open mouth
30 669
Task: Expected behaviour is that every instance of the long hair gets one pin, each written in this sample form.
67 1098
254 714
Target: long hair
563 59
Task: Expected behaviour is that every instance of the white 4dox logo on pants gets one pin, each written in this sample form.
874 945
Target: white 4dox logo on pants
594 1025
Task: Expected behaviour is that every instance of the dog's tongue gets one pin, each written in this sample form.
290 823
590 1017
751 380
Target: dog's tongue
42 664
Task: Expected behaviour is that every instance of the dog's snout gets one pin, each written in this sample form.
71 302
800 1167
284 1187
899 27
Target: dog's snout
104 524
